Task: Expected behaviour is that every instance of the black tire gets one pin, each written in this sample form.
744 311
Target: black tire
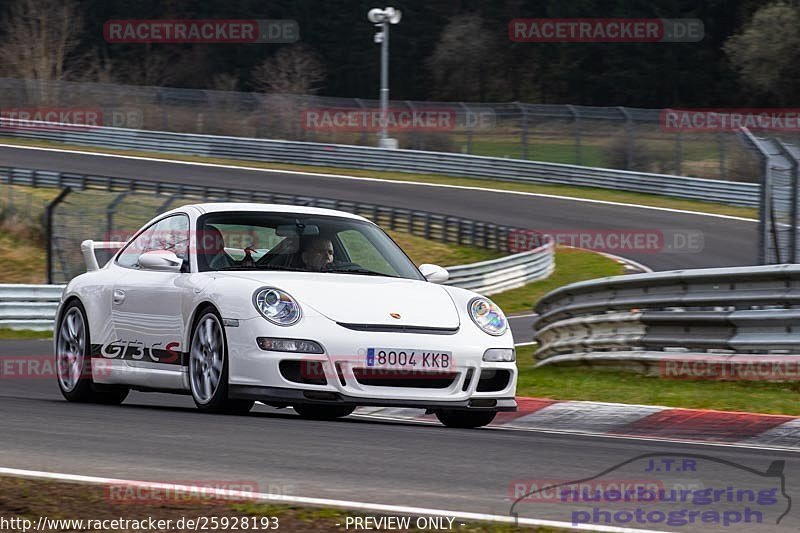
323 412
239 407
74 341
217 401
465 419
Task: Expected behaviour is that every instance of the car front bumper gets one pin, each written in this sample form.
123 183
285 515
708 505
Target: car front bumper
255 373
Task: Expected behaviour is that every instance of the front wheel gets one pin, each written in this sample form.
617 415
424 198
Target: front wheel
208 368
323 412
465 419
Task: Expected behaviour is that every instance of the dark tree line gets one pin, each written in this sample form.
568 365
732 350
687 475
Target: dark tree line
448 49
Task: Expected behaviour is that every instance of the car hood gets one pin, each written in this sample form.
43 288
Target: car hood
355 299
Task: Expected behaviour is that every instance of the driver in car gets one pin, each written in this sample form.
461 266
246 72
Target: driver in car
318 254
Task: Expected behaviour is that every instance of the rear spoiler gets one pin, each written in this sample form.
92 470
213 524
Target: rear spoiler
89 246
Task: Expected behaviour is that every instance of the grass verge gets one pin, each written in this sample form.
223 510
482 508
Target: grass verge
576 383
488 183
24 334
28 499
572 265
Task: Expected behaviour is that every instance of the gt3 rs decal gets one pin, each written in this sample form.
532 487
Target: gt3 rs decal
169 353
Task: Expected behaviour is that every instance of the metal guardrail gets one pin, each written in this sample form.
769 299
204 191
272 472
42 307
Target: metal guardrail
369 158
34 306
686 314
29 306
506 273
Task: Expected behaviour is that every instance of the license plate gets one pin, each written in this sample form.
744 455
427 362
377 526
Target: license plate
398 358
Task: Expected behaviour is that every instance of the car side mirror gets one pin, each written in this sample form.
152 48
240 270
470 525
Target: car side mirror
434 273
162 260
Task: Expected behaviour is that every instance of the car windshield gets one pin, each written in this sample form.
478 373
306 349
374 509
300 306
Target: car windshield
297 242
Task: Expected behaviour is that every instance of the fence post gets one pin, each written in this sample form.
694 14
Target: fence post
576 132
678 152
763 202
524 132
362 140
723 171
111 209
49 230
468 125
793 213
628 138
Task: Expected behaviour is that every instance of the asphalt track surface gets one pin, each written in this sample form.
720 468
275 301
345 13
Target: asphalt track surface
163 438
157 437
723 242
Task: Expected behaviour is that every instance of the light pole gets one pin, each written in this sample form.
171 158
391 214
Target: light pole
382 18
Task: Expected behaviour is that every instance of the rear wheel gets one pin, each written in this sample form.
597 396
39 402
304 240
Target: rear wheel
208 367
323 412
465 419
74 364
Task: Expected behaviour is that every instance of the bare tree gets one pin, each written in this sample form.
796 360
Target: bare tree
293 70
767 52
464 59
38 38
152 68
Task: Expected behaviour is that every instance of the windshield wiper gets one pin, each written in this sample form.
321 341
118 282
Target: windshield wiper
262 267
357 270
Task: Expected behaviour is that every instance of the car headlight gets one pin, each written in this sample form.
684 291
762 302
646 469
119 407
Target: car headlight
487 316
277 306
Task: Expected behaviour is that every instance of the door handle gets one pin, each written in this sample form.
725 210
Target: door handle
119 296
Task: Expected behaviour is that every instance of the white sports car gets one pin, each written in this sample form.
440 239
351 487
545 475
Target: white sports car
314 309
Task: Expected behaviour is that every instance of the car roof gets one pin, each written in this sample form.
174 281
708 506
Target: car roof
216 207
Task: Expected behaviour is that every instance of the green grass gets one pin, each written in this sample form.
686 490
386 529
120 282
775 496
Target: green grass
554 152
24 334
571 266
489 183
422 250
581 383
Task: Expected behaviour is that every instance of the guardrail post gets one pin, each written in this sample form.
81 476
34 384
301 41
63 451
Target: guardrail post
49 230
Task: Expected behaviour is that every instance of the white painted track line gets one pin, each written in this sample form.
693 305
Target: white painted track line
317 502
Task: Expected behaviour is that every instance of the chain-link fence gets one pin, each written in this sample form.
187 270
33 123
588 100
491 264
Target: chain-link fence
609 137
780 202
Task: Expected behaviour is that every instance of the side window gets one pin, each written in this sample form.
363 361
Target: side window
130 255
171 233
364 253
